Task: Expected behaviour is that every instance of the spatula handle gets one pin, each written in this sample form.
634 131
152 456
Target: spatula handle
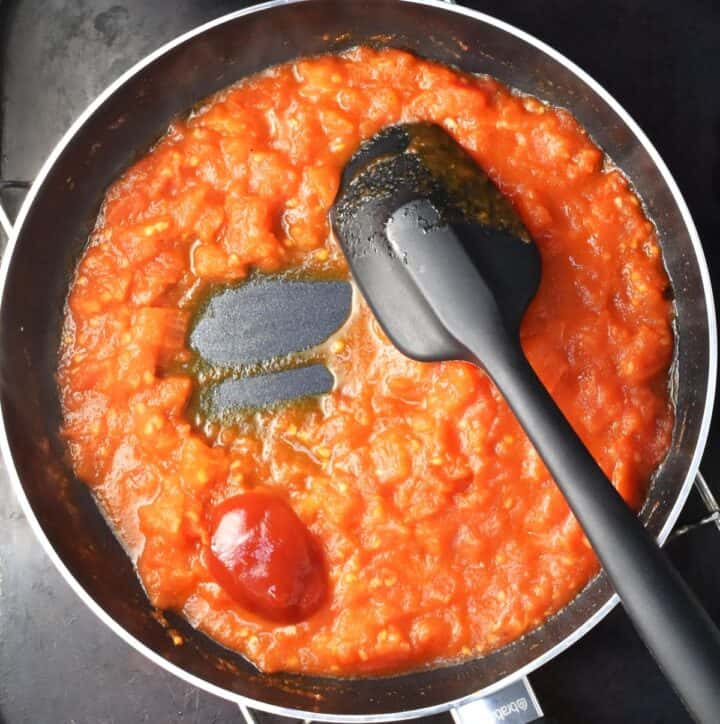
679 633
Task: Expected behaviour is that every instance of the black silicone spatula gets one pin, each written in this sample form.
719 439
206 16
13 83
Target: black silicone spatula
448 269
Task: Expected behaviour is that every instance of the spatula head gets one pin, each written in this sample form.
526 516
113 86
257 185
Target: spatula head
433 244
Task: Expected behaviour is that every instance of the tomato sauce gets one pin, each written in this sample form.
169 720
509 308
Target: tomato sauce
265 558
426 528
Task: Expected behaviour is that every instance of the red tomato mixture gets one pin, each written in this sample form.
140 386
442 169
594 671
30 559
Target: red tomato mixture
404 519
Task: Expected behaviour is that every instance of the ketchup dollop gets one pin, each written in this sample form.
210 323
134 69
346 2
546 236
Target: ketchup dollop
265 557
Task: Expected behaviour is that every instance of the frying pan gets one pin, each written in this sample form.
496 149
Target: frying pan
53 226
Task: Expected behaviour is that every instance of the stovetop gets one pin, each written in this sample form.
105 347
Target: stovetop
660 59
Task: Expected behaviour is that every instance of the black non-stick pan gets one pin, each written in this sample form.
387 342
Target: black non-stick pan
60 211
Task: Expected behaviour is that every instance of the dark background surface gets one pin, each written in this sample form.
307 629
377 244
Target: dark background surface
660 59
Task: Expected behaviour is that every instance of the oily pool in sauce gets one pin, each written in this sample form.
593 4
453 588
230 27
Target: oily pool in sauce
426 528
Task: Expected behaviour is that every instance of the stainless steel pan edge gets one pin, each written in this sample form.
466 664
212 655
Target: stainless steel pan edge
420 709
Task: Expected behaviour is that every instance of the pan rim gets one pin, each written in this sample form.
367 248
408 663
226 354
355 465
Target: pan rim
580 631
